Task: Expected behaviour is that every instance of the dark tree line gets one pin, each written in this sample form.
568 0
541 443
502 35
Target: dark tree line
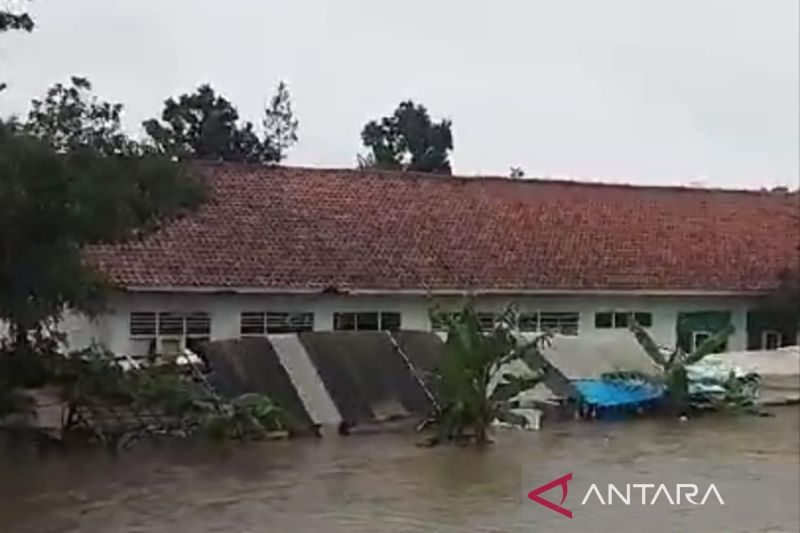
205 125
408 140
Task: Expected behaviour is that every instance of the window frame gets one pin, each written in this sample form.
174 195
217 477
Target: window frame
617 323
560 317
529 317
353 316
160 336
765 336
263 323
698 333
532 320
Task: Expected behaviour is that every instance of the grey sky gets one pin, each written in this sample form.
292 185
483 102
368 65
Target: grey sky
614 90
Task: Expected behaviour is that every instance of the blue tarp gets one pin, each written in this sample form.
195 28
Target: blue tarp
607 393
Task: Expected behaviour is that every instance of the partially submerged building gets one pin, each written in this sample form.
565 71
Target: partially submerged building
283 250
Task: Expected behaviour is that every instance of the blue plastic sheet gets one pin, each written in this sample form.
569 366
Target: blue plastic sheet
607 393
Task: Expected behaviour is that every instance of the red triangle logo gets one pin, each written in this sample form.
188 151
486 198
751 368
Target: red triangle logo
562 482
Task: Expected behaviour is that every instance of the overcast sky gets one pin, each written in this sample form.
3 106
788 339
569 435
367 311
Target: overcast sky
669 92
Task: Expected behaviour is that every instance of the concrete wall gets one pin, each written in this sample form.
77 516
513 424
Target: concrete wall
112 329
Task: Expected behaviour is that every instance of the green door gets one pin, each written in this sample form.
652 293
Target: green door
696 326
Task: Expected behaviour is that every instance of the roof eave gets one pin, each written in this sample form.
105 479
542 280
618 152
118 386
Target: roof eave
462 292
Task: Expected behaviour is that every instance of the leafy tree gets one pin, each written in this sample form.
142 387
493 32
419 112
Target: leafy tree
69 117
280 125
14 21
408 140
205 125
66 184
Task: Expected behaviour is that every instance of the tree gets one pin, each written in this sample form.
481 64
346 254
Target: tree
65 185
408 140
280 125
205 125
472 384
14 21
69 117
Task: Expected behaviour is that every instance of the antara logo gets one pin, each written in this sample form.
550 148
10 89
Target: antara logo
562 482
683 492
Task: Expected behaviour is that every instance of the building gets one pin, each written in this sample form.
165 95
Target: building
289 249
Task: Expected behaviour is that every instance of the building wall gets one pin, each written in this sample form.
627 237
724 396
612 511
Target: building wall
112 329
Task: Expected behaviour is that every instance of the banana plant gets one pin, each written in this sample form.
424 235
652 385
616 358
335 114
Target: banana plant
471 385
673 364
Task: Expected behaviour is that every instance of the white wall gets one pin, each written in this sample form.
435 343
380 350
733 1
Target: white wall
112 328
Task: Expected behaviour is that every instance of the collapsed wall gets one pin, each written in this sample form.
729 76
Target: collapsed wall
339 378
366 376
252 365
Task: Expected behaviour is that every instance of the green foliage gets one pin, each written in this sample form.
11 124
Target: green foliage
408 140
249 416
740 392
10 21
205 125
71 179
280 124
469 385
15 21
161 395
69 117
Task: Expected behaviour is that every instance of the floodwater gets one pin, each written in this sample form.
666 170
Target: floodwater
368 483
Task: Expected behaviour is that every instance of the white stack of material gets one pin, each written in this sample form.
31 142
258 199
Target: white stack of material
779 371
591 357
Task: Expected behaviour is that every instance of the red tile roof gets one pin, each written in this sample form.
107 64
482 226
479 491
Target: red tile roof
315 229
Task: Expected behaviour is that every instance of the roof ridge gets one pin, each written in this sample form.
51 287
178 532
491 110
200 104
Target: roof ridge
417 175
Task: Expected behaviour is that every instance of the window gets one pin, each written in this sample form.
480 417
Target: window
367 321
262 323
699 337
644 319
390 321
289 322
252 324
487 320
529 322
143 324
440 320
603 320
621 319
170 324
167 332
564 323
344 321
198 325
771 340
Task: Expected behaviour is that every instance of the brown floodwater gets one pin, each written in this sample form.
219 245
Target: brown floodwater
370 483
